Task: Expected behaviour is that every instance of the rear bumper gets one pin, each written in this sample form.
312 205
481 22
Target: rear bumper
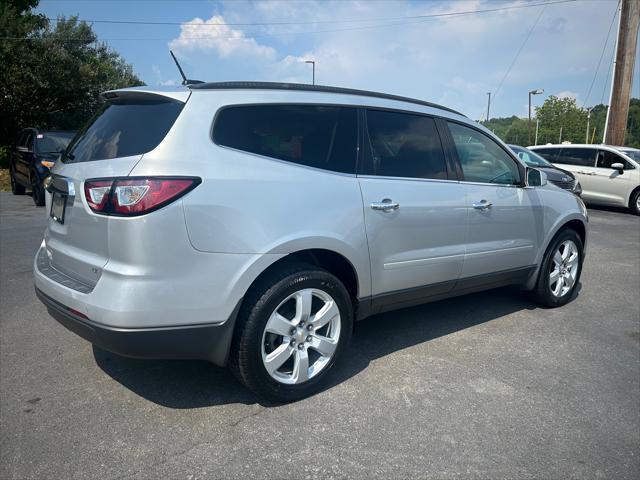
202 342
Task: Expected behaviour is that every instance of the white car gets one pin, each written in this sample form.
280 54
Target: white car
608 175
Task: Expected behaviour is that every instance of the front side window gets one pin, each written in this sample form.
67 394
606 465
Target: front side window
584 157
404 145
607 158
311 135
482 159
124 127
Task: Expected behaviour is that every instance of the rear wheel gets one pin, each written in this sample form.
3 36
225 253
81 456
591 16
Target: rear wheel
16 188
37 190
634 203
560 270
293 327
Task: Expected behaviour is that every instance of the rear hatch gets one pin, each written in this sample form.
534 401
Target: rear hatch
127 125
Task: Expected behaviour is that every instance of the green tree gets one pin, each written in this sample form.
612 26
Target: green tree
51 76
561 119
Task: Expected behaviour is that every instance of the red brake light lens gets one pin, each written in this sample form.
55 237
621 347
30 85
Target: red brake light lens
135 196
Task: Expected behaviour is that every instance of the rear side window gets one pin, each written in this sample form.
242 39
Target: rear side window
607 158
311 135
482 159
124 127
404 145
549 154
585 157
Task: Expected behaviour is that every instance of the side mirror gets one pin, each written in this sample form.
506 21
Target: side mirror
536 178
619 167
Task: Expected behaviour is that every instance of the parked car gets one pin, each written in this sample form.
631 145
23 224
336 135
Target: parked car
609 175
251 224
559 177
35 153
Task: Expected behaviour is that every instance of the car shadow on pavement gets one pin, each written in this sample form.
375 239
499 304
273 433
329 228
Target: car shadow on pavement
193 384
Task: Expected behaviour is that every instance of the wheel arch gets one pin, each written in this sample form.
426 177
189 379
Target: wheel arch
631 195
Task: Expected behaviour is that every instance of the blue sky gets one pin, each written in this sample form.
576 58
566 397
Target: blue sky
453 60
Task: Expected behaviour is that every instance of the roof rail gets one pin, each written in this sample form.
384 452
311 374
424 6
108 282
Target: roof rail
312 88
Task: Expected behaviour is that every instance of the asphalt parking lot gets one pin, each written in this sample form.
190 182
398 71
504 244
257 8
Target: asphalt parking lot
483 386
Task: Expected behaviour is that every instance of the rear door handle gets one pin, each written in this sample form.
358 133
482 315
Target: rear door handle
386 205
482 205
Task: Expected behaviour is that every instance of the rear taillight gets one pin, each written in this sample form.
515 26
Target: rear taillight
132 196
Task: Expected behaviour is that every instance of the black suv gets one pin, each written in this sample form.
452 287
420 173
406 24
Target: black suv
35 153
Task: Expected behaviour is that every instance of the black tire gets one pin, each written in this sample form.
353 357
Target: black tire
543 293
16 188
37 190
633 203
246 350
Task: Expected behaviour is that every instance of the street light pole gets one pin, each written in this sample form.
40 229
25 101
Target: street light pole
532 92
313 71
488 105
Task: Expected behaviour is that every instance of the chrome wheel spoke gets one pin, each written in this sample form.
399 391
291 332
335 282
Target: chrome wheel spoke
323 345
276 359
559 285
303 305
279 325
557 258
554 276
300 367
568 280
325 315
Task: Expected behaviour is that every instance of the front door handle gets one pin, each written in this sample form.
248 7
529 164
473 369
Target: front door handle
482 205
386 205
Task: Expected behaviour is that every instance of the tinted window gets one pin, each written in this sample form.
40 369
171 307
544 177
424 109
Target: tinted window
606 159
53 142
549 154
124 127
29 141
22 140
404 145
315 136
482 159
635 154
577 156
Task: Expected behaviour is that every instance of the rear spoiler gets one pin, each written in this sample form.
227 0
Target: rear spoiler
178 94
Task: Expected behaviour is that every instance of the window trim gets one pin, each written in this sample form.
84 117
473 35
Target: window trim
522 170
451 175
287 162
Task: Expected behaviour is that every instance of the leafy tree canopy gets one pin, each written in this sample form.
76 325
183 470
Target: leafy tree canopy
51 76
560 119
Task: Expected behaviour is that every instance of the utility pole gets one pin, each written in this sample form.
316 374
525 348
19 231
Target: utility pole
532 92
488 105
537 125
616 123
586 138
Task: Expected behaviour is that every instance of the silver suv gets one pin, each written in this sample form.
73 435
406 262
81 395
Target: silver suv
251 224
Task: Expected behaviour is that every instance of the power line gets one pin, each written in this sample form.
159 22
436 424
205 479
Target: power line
318 22
519 51
604 47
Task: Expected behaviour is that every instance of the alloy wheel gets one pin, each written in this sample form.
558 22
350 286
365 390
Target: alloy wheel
301 336
564 268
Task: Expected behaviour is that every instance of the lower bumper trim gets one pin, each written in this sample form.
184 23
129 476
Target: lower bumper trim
202 342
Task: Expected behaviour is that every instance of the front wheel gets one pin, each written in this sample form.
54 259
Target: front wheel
560 270
16 188
293 327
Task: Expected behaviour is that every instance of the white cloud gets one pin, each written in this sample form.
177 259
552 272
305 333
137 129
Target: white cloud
567 94
215 35
454 60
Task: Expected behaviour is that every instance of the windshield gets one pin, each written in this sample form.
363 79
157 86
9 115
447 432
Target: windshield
634 154
529 157
124 127
53 142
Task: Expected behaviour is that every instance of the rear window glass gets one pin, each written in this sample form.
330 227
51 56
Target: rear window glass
315 136
549 154
124 127
404 145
